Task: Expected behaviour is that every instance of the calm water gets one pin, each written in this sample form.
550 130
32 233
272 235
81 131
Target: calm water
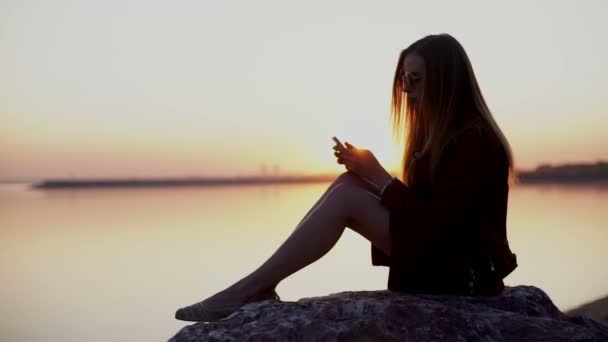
113 265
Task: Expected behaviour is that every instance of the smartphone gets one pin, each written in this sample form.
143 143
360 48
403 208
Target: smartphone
339 143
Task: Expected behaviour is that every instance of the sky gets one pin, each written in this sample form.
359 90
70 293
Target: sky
223 88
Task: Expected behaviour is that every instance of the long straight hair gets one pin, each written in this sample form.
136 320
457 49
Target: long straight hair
450 97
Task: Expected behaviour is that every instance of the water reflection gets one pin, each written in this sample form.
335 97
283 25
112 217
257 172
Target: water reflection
101 265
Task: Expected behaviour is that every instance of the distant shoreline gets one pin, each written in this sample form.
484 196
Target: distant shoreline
176 182
149 183
567 174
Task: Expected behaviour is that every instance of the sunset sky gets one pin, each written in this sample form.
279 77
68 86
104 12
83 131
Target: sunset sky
203 88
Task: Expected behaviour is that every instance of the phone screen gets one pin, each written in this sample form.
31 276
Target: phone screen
338 142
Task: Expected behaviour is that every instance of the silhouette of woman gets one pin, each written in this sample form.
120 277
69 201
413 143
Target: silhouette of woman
442 228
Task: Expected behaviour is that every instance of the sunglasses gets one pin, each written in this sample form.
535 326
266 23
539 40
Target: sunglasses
409 80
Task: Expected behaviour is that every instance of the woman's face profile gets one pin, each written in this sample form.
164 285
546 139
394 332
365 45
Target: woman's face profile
413 77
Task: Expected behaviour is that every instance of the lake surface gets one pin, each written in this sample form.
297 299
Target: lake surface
113 265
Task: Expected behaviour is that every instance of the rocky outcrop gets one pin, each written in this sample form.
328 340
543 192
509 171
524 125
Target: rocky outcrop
522 313
598 310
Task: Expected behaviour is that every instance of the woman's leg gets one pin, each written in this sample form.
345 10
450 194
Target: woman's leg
347 177
346 203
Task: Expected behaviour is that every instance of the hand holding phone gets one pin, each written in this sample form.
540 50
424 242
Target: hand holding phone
338 144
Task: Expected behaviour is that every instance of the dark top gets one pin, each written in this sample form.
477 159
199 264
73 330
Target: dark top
450 237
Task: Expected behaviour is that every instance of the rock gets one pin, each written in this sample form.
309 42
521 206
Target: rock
598 310
522 313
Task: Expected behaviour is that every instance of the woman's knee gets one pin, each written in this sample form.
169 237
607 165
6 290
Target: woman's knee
350 197
350 178
337 193
346 177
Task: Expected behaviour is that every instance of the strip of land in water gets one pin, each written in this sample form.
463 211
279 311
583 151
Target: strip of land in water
567 173
544 174
175 182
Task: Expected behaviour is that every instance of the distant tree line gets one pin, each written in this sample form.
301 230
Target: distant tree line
567 173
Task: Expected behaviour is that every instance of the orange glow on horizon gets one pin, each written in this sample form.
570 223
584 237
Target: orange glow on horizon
146 90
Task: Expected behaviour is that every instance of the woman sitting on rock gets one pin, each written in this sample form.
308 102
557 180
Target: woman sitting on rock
442 228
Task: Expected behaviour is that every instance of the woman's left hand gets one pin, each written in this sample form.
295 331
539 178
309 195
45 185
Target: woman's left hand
362 162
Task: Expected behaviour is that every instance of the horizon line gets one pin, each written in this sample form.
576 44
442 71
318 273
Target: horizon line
251 175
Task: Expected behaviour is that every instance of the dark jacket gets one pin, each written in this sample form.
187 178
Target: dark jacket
450 237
